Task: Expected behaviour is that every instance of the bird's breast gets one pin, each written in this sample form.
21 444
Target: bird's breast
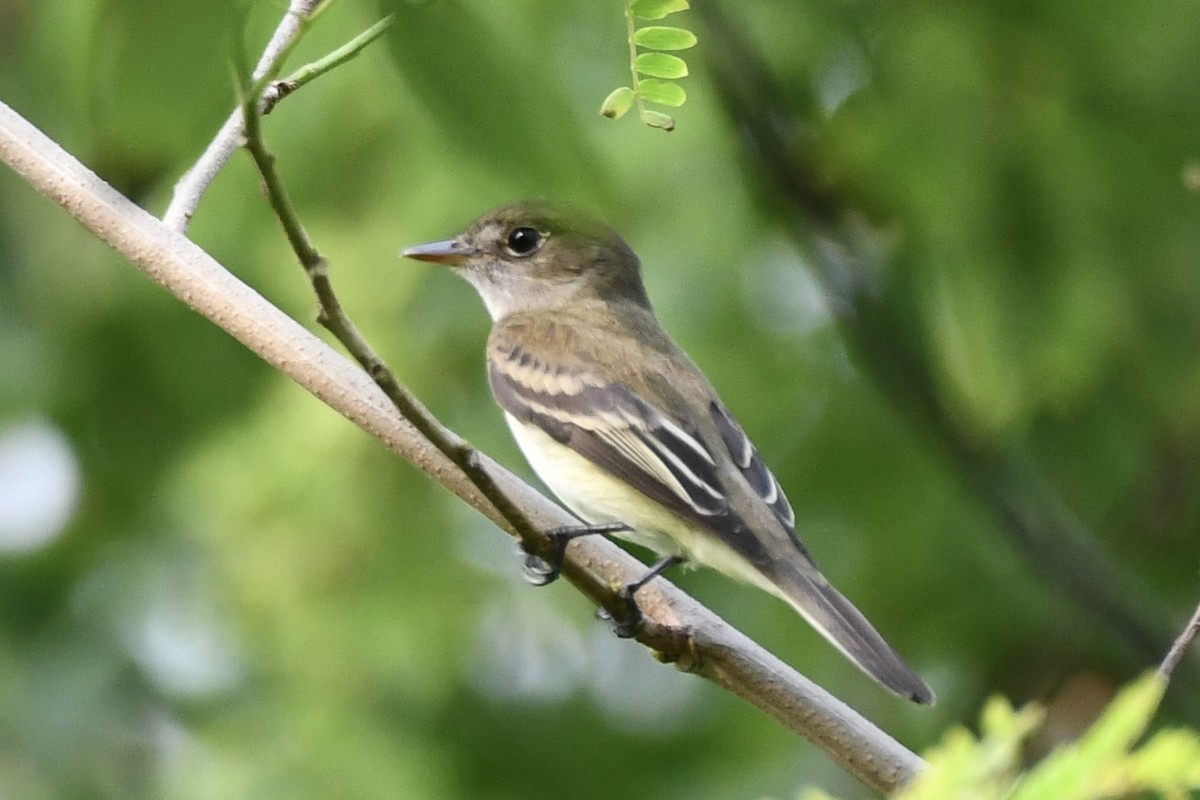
597 497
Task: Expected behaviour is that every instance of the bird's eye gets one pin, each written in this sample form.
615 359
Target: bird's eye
523 241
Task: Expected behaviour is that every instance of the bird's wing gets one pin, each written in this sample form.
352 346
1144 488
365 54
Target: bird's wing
613 428
668 461
753 469
664 458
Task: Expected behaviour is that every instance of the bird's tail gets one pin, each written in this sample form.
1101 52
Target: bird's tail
848 630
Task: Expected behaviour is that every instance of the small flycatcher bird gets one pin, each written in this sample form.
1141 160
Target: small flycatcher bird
625 429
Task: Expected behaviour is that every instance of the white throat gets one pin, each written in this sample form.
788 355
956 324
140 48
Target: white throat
518 293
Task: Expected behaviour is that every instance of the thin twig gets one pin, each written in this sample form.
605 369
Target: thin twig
332 316
1182 643
280 89
698 640
195 182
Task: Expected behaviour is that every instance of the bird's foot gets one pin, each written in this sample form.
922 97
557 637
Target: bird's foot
628 619
541 569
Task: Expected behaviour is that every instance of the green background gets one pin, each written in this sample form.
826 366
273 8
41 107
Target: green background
251 598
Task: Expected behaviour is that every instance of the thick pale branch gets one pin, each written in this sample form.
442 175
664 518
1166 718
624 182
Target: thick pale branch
678 627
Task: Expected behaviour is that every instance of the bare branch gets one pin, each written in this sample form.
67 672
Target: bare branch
195 182
1180 646
678 628
333 317
267 93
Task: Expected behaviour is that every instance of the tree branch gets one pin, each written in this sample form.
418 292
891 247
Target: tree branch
333 317
1180 646
277 90
678 628
195 182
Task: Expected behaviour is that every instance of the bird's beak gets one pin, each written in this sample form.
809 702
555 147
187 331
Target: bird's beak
450 251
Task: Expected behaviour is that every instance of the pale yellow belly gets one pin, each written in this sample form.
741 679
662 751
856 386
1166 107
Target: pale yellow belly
597 497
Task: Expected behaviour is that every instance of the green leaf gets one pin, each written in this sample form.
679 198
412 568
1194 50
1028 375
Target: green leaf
1125 719
656 9
1077 770
656 119
617 103
962 766
1098 764
1170 759
661 65
664 93
661 37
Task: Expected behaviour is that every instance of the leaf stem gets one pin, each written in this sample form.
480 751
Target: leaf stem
282 88
630 30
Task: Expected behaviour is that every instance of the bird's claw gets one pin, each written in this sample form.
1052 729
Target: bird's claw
630 621
540 571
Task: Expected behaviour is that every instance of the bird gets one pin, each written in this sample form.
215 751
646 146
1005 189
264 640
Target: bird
626 430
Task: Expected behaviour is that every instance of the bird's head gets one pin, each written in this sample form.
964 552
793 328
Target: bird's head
535 256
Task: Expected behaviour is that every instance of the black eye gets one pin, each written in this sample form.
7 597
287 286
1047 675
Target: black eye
523 241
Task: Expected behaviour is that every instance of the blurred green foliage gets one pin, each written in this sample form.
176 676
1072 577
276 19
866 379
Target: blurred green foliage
1103 762
253 599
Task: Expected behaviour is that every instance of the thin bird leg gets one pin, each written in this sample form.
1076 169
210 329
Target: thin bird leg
627 627
659 567
541 571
